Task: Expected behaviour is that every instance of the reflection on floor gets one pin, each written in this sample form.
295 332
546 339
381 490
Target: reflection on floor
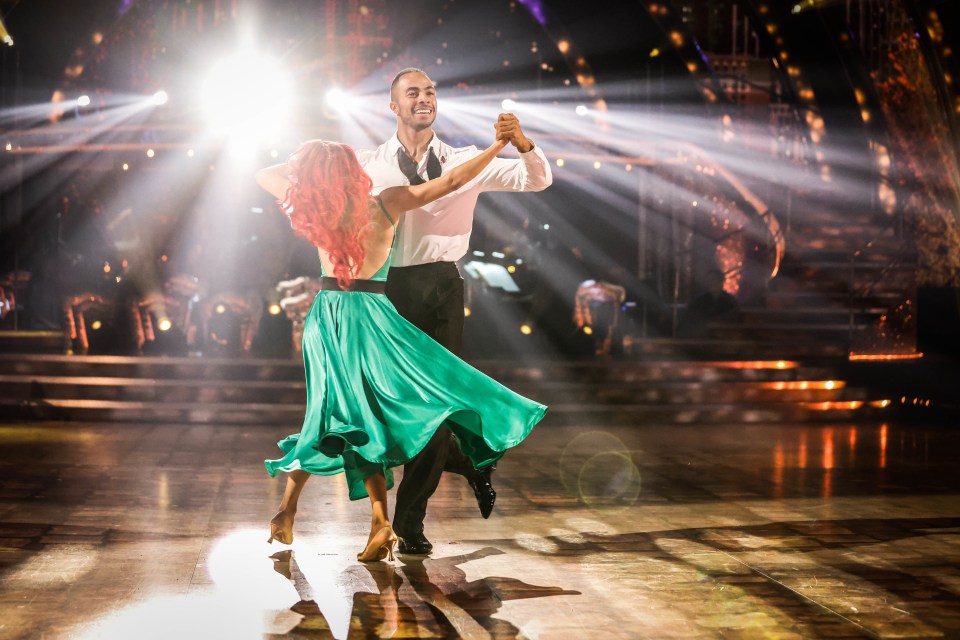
775 530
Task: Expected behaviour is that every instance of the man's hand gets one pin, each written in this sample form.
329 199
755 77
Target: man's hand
508 128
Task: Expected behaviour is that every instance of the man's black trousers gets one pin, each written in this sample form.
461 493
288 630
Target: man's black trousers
429 296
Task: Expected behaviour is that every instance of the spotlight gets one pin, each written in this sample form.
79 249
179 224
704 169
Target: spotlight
508 104
164 324
466 312
588 330
560 162
221 308
526 329
5 35
339 101
274 309
582 110
151 153
233 108
160 98
126 167
96 325
83 101
190 153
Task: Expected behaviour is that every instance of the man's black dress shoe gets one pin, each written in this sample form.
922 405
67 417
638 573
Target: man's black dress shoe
416 545
482 488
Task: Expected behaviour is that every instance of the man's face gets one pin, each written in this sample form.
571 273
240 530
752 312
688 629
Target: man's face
414 100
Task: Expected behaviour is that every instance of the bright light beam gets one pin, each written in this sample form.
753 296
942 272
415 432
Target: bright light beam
247 95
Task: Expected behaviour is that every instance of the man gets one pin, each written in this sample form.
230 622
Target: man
424 283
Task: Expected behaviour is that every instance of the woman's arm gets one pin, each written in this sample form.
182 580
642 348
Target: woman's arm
396 200
275 179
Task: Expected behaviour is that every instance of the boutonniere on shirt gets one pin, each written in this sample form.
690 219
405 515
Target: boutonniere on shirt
443 159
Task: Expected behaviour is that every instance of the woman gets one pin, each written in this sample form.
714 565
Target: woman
377 387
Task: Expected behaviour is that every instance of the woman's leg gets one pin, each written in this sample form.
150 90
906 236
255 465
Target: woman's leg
376 486
281 527
382 538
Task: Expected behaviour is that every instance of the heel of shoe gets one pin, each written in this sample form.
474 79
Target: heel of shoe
380 546
391 541
278 531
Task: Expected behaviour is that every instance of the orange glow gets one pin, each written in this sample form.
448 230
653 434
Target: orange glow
885 356
852 443
802 452
883 446
756 364
828 448
882 404
833 406
778 465
804 384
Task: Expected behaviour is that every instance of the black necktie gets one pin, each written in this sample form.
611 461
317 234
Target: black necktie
409 167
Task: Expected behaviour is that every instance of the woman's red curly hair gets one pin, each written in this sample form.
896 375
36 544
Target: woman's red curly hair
328 203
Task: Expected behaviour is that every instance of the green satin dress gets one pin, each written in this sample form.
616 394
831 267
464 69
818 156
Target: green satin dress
378 388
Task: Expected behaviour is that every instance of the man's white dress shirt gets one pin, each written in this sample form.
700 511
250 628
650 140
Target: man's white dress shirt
440 231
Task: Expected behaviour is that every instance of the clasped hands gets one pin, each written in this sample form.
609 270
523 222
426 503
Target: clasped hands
508 128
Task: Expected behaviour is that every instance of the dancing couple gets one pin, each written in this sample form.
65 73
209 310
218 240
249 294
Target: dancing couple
384 386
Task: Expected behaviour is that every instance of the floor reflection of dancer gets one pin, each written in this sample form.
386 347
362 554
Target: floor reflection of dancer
378 388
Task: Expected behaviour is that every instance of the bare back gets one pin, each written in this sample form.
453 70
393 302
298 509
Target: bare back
376 248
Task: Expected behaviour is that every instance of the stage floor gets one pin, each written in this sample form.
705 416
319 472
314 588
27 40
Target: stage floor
655 531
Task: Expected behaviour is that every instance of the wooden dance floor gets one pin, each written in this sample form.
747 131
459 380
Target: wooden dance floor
758 531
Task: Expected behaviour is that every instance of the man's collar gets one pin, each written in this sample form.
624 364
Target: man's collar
394 144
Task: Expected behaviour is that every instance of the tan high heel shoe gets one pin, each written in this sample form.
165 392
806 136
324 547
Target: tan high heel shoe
281 529
380 546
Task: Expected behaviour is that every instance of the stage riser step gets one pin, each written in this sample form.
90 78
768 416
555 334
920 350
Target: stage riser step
122 367
856 232
281 371
668 393
836 302
813 317
811 273
571 415
742 349
824 334
52 342
840 249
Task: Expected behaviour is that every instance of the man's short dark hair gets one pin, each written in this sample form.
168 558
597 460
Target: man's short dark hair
401 73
